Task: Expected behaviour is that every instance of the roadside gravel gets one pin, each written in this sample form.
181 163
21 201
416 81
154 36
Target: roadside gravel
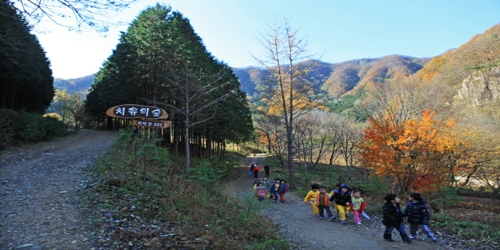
39 189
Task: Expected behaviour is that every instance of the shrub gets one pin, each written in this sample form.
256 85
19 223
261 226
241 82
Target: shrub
53 127
17 127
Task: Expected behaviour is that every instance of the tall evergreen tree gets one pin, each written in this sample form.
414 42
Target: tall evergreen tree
26 81
161 61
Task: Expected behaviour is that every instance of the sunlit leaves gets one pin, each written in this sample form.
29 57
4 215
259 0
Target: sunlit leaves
413 153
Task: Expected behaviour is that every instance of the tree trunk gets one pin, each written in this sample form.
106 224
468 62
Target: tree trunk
186 139
176 142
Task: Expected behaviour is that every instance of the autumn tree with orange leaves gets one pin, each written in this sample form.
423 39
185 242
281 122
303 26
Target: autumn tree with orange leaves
413 154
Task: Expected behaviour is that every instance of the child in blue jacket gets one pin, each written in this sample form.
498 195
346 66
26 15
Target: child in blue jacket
418 216
274 189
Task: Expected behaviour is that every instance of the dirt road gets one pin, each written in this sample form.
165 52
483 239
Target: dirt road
300 227
40 186
39 189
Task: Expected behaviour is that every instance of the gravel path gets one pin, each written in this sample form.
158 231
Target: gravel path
39 189
40 186
304 231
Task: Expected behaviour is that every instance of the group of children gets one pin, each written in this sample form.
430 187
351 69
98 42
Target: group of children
343 202
416 210
264 188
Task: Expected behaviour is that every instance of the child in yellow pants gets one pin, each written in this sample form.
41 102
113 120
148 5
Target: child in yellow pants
342 199
311 197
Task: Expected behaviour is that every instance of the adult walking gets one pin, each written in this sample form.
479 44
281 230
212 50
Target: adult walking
266 169
256 171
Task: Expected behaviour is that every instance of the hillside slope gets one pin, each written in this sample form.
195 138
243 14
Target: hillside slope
75 85
452 67
343 78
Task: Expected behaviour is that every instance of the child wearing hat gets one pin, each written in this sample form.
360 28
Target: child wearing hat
342 199
393 218
418 216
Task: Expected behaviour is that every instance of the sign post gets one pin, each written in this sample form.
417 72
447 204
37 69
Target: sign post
143 116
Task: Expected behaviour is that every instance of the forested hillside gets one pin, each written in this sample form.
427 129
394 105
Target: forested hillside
453 66
75 85
344 78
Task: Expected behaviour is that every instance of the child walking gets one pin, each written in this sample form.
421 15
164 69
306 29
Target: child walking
266 182
282 190
311 196
418 216
322 201
260 191
274 190
342 200
358 205
393 218
332 193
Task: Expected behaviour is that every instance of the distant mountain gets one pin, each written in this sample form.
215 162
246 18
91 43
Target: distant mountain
346 78
338 79
76 84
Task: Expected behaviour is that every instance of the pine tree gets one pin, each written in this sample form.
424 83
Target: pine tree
26 81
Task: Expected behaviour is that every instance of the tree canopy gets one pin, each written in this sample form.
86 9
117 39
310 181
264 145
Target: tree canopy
26 81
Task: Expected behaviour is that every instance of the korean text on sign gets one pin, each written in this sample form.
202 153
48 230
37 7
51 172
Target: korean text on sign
150 124
133 111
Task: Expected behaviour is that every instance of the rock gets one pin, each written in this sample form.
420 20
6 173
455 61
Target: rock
24 246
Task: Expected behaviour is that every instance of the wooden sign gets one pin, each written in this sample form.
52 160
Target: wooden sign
131 111
151 124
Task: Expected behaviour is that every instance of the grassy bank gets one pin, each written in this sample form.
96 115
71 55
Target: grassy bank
146 199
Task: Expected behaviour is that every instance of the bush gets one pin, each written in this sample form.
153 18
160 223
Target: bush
6 130
17 127
53 127
209 174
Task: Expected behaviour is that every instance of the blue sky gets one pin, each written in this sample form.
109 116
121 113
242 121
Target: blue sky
336 30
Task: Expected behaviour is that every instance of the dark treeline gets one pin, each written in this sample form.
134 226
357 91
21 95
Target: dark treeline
161 61
26 82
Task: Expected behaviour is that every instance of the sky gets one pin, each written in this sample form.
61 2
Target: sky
336 30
